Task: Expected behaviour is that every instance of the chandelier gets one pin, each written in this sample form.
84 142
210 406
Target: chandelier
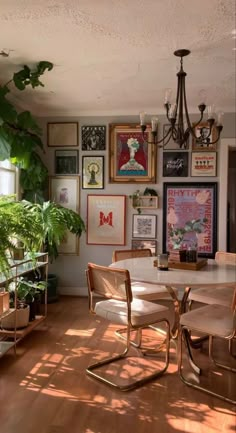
180 127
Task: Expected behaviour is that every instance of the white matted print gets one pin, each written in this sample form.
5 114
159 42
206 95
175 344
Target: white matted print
62 134
106 219
203 164
144 226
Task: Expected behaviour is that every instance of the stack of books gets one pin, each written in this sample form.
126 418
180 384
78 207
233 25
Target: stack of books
174 256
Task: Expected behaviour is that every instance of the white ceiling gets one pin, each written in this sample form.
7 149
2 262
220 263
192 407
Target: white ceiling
115 57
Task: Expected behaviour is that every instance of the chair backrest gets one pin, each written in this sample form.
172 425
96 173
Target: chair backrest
130 254
109 282
225 258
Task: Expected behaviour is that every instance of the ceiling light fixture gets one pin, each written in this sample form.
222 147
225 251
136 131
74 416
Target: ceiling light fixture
180 127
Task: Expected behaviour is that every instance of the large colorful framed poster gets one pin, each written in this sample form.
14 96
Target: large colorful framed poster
131 158
106 219
190 217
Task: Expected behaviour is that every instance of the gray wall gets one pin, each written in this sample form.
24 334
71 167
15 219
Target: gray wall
71 269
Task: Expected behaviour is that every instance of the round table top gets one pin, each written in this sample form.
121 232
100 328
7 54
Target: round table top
142 269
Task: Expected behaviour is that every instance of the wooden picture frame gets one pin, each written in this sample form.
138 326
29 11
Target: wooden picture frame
131 158
190 217
175 164
93 137
203 164
93 172
65 190
62 134
201 130
66 162
140 244
171 144
144 226
106 215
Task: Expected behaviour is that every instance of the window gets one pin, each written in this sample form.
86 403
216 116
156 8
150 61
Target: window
8 178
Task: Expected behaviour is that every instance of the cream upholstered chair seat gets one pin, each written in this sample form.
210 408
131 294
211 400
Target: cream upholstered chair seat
119 307
213 295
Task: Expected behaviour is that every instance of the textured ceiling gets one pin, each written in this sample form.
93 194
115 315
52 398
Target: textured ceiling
116 56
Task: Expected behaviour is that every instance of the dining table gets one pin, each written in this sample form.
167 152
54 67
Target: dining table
179 282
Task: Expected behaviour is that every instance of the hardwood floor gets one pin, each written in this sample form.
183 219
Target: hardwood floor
44 388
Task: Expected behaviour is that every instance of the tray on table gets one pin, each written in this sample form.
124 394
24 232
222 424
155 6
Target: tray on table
189 266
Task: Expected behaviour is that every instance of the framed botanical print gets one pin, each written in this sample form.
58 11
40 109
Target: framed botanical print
106 219
175 164
144 226
190 217
65 191
93 172
93 137
203 164
131 158
66 161
202 143
62 134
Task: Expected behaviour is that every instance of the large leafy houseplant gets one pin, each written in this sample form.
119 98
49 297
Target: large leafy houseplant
20 134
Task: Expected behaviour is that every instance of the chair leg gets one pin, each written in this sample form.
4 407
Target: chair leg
191 384
219 364
127 387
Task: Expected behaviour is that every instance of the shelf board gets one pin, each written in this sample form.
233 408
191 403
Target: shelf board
5 346
20 333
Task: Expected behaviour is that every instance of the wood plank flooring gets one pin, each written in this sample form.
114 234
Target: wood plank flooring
44 388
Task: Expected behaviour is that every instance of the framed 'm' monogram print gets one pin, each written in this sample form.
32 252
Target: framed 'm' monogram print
106 219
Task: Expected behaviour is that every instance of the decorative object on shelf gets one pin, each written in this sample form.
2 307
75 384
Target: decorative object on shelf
4 301
203 164
131 160
27 292
140 244
62 134
175 164
190 217
144 226
66 162
93 137
146 200
180 126
93 172
18 318
106 219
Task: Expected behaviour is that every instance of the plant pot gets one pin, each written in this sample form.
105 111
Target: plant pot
52 288
22 318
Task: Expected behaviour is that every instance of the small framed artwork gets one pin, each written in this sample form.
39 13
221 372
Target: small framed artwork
131 158
190 217
175 164
66 161
65 191
93 172
144 226
170 144
203 164
93 137
106 219
202 142
138 244
62 134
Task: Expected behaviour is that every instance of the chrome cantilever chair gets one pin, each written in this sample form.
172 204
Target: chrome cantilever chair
215 321
119 307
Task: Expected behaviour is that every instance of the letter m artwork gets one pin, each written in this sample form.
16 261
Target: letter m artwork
105 220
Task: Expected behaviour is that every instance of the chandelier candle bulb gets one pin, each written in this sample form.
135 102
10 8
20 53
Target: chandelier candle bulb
168 94
220 117
154 122
142 116
211 112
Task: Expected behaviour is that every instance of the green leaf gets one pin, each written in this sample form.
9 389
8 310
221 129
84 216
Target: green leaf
7 111
5 147
26 121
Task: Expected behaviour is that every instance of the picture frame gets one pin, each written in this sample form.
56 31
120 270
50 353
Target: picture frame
66 162
62 134
175 164
131 158
171 144
65 190
203 129
190 217
93 172
106 216
203 164
140 244
144 226
93 137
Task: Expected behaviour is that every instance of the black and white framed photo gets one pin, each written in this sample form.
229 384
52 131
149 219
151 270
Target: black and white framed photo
140 244
175 164
170 144
66 162
93 172
93 137
144 226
